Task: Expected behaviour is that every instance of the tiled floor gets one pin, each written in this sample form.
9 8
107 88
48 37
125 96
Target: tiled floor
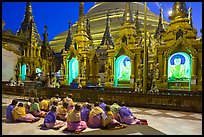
159 122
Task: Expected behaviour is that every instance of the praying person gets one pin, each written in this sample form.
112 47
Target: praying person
85 112
44 104
19 114
27 104
9 109
55 103
102 104
95 119
74 122
115 108
62 111
35 109
127 117
56 97
108 121
50 120
70 101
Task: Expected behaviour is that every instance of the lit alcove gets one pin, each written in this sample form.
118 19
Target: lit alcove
73 70
179 71
23 72
122 71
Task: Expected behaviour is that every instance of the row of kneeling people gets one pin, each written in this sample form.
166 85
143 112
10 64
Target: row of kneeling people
76 116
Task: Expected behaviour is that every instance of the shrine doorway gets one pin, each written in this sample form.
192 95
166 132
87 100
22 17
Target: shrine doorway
122 71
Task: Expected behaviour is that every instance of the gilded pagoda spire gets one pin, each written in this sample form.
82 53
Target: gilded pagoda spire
45 35
28 25
28 13
80 23
88 28
190 16
128 16
179 11
45 43
107 38
69 38
160 27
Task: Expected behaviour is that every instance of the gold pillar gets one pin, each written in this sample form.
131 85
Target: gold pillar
85 65
112 71
91 70
34 50
39 52
20 73
97 69
27 54
194 66
66 71
79 68
31 52
145 61
132 76
24 52
164 77
132 67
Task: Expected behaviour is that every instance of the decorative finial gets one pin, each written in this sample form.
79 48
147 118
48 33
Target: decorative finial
190 15
70 24
28 8
81 9
69 38
107 38
179 11
160 27
128 16
80 24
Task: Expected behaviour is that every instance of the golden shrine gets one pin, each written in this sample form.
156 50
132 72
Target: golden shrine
34 55
173 53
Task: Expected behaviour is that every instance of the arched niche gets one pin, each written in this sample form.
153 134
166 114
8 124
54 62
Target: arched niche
122 71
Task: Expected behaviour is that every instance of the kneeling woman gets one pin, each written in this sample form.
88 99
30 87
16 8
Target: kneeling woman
50 119
74 122
127 117
95 119
19 114
108 120
35 109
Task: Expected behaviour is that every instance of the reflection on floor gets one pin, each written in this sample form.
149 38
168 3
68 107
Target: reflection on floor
160 122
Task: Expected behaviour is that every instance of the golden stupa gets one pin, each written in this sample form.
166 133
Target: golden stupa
97 18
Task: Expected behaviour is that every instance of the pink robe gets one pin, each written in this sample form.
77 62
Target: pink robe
74 122
95 122
76 126
95 119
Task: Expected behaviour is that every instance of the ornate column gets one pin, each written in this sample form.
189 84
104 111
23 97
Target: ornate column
27 52
164 76
112 71
194 63
193 75
90 66
66 64
31 49
132 76
39 52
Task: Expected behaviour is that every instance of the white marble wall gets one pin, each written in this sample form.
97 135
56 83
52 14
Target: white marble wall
9 61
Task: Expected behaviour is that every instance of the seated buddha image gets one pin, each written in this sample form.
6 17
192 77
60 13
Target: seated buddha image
125 70
177 70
